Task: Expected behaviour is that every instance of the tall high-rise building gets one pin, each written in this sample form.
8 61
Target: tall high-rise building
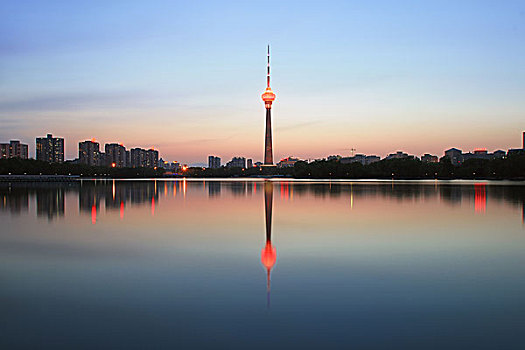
214 162
115 155
50 149
4 150
137 157
14 149
268 97
141 158
523 144
89 153
152 158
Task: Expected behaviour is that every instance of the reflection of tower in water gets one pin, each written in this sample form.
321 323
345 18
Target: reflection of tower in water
268 254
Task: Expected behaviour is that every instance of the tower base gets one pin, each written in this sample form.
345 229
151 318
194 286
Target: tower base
268 169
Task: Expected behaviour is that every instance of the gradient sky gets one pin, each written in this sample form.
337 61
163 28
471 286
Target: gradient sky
186 77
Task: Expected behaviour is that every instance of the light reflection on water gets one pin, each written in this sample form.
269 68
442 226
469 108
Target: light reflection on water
251 264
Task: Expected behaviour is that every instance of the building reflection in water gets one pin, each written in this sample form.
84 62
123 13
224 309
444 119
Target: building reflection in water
214 188
115 196
14 199
480 198
50 204
269 253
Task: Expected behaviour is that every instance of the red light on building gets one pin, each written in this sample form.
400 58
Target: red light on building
268 97
113 165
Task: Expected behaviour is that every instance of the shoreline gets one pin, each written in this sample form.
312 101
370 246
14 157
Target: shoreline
77 178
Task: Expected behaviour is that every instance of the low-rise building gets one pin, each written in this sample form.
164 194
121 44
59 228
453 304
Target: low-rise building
429 158
334 157
455 155
397 155
237 162
287 162
360 158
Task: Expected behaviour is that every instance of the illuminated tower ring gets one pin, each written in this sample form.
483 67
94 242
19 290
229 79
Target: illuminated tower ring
268 97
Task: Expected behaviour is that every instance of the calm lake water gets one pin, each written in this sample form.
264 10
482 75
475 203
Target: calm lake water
255 264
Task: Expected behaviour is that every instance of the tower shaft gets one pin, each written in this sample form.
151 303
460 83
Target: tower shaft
268 97
268 150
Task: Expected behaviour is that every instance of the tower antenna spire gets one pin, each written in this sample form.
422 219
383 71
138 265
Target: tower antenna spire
268 75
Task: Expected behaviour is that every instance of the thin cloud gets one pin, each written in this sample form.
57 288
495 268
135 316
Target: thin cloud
74 101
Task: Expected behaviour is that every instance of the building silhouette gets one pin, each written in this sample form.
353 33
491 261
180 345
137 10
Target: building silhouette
50 149
288 162
142 158
429 158
457 157
237 162
89 153
398 155
214 162
115 155
13 149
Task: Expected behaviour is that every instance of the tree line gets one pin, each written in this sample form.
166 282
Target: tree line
511 167
17 166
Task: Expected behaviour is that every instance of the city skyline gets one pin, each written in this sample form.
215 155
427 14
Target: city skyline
114 154
414 77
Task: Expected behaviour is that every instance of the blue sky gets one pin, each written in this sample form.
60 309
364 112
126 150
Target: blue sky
186 77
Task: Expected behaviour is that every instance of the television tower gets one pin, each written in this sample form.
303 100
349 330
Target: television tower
268 97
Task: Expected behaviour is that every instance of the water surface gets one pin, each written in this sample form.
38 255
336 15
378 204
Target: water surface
258 264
